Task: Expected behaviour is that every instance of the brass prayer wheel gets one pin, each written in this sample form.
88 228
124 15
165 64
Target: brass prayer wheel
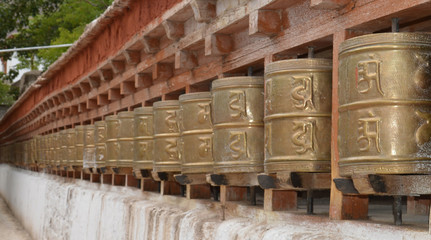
237 112
60 151
89 155
384 104
112 147
71 147
166 136
125 138
196 133
50 150
79 145
100 142
144 140
298 115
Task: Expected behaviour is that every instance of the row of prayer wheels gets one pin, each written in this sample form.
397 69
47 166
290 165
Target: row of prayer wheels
279 122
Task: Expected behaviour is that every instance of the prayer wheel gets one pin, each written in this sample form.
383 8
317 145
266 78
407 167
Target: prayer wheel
166 136
100 142
298 115
89 155
125 139
112 147
60 150
38 150
144 140
71 147
50 148
79 145
196 133
384 104
237 112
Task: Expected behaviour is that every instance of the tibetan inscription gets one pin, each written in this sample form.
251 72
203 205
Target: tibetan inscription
369 132
302 95
303 138
237 104
368 75
238 144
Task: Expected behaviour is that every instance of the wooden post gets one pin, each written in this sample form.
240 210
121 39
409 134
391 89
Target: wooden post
230 193
280 200
107 179
170 188
149 185
341 206
131 181
199 191
118 180
95 177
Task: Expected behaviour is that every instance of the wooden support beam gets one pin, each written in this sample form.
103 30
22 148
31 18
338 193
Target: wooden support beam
82 107
200 191
85 87
114 94
170 188
230 193
174 30
185 60
280 200
73 110
132 57
68 95
151 45
66 112
264 22
106 74
50 103
117 66
143 80
329 4
94 82
61 98
162 71
56 101
91 104
102 99
203 10
127 88
76 91
218 44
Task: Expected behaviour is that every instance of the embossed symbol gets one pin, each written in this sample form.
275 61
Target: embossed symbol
170 121
422 75
237 104
238 144
369 131
268 135
204 112
100 153
205 146
144 126
171 149
302 95
100 135
303 138
268 95
143 150
423 134
367 75
116 151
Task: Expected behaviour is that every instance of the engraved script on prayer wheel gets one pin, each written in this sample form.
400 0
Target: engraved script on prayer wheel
112 147
79 145
144 140
71 147
196 133
237 112
89 155
100 142
298 115
166 136
125 139
384 104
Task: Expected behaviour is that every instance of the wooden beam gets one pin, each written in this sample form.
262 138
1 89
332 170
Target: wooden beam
218 44
50 103
106 74
68 95
280 200
151 45
127 88
91 104
76 91
117 66
66 112
102 99
203 10
85 87
132 57
114 94
82 107
185 60
94 82
73 110
56 101
143 80
328 4
174 30
162 71
264 22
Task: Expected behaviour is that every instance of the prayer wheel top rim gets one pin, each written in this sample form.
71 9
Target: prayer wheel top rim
80 127
99 123
71 130
111 118
166 103
193 96
126 114
90 126
298 64
235 81
379 39
144 110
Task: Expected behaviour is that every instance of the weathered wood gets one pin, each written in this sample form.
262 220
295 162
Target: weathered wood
106 179
293 180
199 191
85 87
279 200
68 95
150 185
185 60
229 193
143 80
328 4
82 107
418 205
264 22
102 100
94 82
191 179
118 180
162 71
91 104
106 74
117 66
151 45
133 57
131 181
233 179
218 44
95 178
76 92
170 188
127 88
174 30
203 10
114 94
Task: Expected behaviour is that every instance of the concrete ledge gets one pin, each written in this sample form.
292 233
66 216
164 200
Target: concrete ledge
51 207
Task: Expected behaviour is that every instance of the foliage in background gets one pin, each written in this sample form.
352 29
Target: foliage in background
8 93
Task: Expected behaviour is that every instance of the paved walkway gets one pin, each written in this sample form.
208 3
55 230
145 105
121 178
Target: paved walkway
10 227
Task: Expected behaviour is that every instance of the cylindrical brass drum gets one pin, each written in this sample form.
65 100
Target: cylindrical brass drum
71 147
125 139
38 149
100 142
50 149
196 133
112 147
298 115
385 104
237 112
89 156
144 140
60 151
79 145
166 136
